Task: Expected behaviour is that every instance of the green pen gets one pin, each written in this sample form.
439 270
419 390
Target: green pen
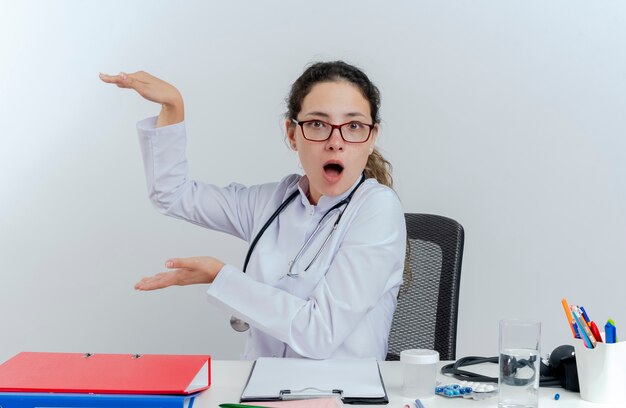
241 406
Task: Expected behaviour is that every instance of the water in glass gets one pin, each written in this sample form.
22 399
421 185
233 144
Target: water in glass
519 378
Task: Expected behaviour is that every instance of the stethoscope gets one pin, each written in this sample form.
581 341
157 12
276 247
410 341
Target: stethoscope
241 326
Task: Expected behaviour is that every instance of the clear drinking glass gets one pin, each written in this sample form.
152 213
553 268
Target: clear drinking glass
518 382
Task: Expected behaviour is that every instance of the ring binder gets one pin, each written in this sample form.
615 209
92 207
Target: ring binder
105 373
86 400
286 395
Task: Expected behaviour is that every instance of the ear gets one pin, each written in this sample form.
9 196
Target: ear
290 129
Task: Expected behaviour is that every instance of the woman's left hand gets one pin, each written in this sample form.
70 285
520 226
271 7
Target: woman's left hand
187 271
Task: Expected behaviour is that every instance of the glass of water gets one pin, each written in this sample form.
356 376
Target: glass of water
518 382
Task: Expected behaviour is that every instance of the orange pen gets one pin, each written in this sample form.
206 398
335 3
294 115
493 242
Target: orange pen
568 314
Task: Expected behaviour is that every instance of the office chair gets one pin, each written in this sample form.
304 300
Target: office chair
426 315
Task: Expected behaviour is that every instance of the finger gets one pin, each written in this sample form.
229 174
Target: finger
158 281
138 82
144 284
150 285
134 81
122 80
182 263
110 79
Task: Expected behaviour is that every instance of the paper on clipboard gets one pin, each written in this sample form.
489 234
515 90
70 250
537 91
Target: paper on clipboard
354 380
328 402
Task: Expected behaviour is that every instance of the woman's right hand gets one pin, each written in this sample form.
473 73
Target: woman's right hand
155 90
183 271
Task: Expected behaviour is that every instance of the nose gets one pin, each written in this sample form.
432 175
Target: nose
335 141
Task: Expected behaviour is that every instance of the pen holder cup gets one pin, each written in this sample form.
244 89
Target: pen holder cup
601 372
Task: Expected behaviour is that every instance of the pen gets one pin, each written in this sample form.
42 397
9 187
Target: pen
568 314
595 331
241 406
585 333
585 315
585 327
576 330
613 323
609 332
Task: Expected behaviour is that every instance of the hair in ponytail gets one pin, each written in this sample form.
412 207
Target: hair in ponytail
379 168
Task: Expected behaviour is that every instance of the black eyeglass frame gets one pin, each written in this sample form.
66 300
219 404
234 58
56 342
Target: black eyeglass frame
332 128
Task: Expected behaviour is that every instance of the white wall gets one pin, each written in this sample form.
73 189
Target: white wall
507 116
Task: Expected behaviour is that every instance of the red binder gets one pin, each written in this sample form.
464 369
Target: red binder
106 373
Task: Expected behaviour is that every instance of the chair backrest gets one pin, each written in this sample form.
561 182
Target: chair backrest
426 315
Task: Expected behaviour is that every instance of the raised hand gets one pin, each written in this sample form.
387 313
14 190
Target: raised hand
154 90
187 271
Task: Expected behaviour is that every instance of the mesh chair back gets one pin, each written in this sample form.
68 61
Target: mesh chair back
426 315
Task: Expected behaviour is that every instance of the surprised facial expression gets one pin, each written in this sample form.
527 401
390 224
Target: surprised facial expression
333 165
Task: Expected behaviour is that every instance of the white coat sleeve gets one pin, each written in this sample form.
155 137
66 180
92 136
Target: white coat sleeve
368 264
229 209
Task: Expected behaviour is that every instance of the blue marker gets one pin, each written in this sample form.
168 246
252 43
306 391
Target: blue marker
587 320
609 333
419 404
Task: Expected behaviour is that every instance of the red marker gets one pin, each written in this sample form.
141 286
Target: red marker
595 331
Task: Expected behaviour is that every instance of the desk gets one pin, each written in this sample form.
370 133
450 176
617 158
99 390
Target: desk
229 377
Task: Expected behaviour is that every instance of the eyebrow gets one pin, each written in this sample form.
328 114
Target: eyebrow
327 116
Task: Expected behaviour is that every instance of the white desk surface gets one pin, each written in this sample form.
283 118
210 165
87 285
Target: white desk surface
229 377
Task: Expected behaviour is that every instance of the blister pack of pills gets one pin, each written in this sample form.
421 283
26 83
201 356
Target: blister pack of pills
466 389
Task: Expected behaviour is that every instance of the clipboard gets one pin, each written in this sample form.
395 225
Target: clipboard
164 374
355 381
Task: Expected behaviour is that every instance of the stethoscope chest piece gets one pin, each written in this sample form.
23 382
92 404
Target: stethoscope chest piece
238 324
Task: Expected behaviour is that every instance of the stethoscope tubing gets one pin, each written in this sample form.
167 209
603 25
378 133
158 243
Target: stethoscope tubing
284 204
240 325
266 225
308 241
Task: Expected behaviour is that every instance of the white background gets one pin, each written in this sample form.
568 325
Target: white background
508 116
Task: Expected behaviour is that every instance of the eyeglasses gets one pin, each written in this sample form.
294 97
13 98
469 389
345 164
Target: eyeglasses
319 131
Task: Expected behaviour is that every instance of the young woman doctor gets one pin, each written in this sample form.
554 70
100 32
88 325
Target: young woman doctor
327 248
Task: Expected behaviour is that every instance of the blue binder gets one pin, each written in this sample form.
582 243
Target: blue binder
71 400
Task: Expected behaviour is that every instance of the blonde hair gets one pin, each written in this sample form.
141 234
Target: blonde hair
377 167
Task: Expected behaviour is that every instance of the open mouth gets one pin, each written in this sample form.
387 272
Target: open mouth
333 169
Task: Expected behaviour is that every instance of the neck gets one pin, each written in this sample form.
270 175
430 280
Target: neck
311 200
